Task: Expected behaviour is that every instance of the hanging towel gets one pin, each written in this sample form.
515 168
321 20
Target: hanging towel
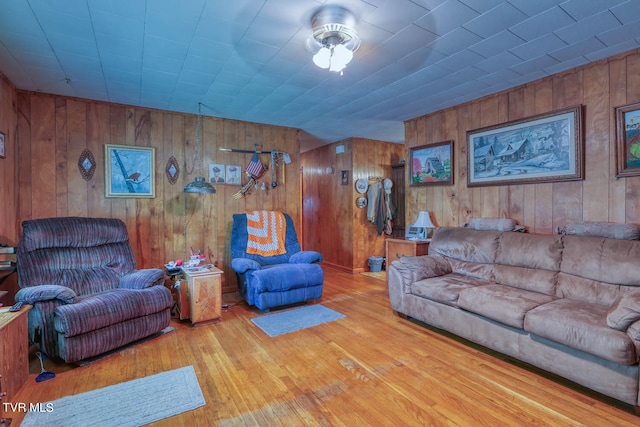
266 231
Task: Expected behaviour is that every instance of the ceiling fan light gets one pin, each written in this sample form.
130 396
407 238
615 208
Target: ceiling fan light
333 30
323 58
341 56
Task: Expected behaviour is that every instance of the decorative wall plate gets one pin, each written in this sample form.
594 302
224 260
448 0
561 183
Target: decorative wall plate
87 164
361 202
362 186
172 170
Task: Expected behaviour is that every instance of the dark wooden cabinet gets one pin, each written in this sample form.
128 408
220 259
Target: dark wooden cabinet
397 191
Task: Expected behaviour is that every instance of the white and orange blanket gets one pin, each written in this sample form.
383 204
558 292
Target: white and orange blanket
266 230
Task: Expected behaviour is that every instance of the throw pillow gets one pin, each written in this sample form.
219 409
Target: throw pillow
624 311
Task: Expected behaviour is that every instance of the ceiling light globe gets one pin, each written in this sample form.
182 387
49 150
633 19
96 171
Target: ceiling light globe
341 56
323 58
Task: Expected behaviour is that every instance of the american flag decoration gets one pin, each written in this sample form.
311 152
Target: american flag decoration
255 167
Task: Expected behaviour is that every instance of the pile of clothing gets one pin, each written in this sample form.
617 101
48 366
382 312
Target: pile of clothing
381 209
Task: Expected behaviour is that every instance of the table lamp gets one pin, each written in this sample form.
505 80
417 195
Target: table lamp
423 224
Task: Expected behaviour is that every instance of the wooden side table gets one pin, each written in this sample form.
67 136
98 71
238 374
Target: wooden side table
397 248
202 296
14 350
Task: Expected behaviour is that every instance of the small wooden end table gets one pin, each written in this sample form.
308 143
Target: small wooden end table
14 350
201 298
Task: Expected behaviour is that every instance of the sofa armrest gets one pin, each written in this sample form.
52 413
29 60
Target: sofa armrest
242 265
305 257
415 268
141 279
39 293
634 333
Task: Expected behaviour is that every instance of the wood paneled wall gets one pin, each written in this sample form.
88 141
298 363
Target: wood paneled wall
333 224
53 131
542 208
9 232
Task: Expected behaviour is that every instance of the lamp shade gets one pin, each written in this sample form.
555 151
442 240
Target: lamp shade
200 186
424 221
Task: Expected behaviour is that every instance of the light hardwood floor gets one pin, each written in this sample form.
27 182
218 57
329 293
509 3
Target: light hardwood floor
370 368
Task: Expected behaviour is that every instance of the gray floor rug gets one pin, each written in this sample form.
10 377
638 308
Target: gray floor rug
296 319
132 403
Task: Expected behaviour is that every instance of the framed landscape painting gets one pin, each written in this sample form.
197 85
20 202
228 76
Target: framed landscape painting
431 164
129 171
544 148
628 140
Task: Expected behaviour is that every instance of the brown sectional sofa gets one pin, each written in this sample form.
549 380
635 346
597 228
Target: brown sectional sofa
564 303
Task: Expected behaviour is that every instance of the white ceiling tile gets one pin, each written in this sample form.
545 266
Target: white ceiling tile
594 24
627 12
448 16
582 9
577 49
484 25
541 24
500 42
534 65
538 47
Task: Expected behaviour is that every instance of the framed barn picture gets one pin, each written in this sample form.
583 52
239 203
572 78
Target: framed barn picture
431 164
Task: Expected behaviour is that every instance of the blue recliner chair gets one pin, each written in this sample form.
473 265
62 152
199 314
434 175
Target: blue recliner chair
272 281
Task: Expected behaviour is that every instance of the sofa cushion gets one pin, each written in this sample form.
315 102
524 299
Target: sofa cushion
416 268
97 311
503 304
583 326
601 259
624 311
445 289
530 251
465 245
473 269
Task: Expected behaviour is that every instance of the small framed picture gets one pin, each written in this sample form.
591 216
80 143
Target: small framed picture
216 174
628 140
344 177
3 153
234 175
129 171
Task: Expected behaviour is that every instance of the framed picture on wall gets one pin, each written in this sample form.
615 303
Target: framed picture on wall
543 148
217 174
431 164
233 174
628 140
129 171
3 153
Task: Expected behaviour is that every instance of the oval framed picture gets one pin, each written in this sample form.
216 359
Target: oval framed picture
361 202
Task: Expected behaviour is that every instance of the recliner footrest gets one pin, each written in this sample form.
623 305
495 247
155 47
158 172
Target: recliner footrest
108 308
283 277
